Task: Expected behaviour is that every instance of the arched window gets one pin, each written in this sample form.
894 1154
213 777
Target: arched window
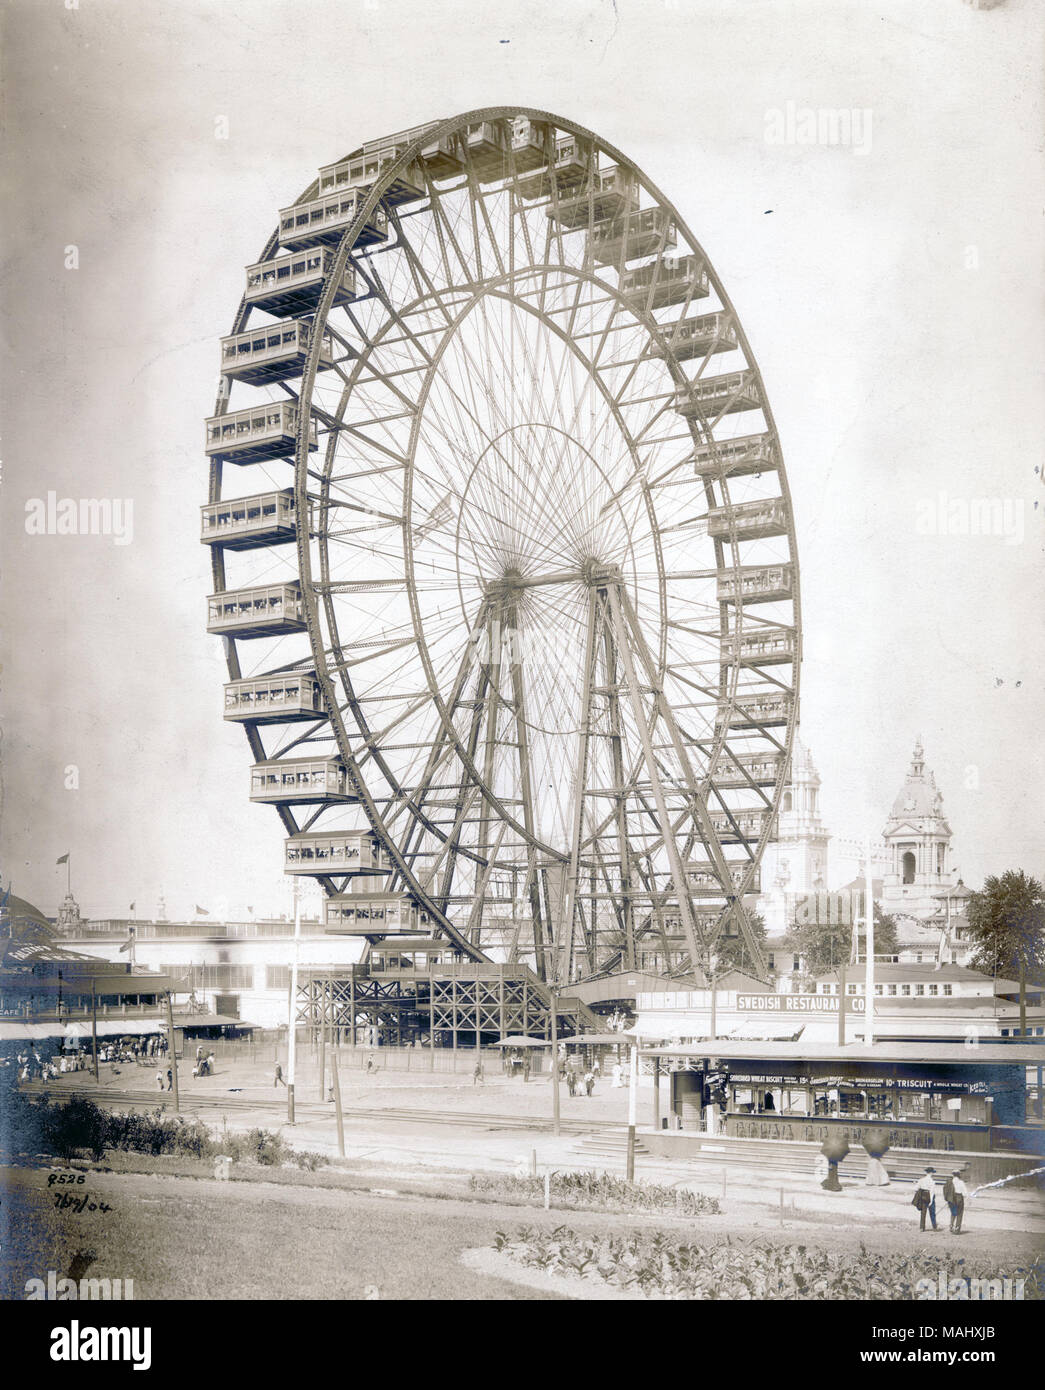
787 802
908 867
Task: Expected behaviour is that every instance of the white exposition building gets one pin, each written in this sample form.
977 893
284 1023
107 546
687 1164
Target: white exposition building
796 863
240 971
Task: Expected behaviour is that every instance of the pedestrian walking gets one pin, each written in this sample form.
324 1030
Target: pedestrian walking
589 1082
954 1194
170 1079
279 1076
477 1075
159 1080
571 1081
925 1198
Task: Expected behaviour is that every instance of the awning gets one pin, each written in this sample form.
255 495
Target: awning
12 1030
113 1028
188 1021
519 1041
19 1031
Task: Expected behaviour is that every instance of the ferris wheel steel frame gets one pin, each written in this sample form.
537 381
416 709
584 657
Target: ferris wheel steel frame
643 727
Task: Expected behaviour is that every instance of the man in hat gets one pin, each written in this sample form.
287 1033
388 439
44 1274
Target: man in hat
954 1194
925 1198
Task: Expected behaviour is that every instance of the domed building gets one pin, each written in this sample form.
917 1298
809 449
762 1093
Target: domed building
918 839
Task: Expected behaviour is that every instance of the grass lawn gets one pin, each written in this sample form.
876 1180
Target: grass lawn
181 1239
302 1238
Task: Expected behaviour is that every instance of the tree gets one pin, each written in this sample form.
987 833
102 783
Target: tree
732 951
826 945
1007 926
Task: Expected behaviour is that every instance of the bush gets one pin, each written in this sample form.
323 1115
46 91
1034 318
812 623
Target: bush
309 1160
600 1190
79 1124
660 1264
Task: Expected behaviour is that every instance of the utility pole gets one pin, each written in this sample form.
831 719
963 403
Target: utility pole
173 1052
841 1006
292 1030
869 972
336 1080
94 1023
322 1038
633 1086
553 1015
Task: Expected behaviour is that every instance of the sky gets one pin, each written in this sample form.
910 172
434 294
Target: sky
891 293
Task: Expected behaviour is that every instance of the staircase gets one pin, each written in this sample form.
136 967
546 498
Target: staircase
609 1145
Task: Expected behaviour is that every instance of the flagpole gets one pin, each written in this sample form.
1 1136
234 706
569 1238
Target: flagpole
292 1034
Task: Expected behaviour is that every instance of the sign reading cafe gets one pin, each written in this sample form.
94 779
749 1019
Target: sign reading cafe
798 1003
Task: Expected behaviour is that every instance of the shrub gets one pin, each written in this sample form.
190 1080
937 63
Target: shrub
309 1160
602 1190
65 1128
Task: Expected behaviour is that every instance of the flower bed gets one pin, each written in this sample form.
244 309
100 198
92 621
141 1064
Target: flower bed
599 1191
658 1264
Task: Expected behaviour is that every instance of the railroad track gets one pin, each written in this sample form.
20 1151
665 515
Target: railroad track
318 1110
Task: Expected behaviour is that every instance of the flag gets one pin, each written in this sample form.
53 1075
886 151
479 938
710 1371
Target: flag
64 860
202 911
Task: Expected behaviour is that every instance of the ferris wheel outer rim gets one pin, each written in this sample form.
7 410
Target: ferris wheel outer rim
342 253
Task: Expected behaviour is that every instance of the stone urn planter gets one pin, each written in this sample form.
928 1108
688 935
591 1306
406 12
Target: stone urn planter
834 1148
876 1142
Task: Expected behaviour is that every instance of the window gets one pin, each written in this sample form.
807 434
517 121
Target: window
905 991
948 990
878 989
919 990
934 989
892 991
907 867
850 989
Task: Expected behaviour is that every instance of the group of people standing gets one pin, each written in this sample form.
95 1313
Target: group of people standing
954 1194
581 1083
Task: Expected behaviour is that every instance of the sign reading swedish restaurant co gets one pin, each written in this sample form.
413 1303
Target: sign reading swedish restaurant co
798 1003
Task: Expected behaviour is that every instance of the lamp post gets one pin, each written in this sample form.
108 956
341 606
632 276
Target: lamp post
633 1086
292 1032
553 1018
713 982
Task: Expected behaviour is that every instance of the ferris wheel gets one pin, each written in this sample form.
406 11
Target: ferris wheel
503 555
